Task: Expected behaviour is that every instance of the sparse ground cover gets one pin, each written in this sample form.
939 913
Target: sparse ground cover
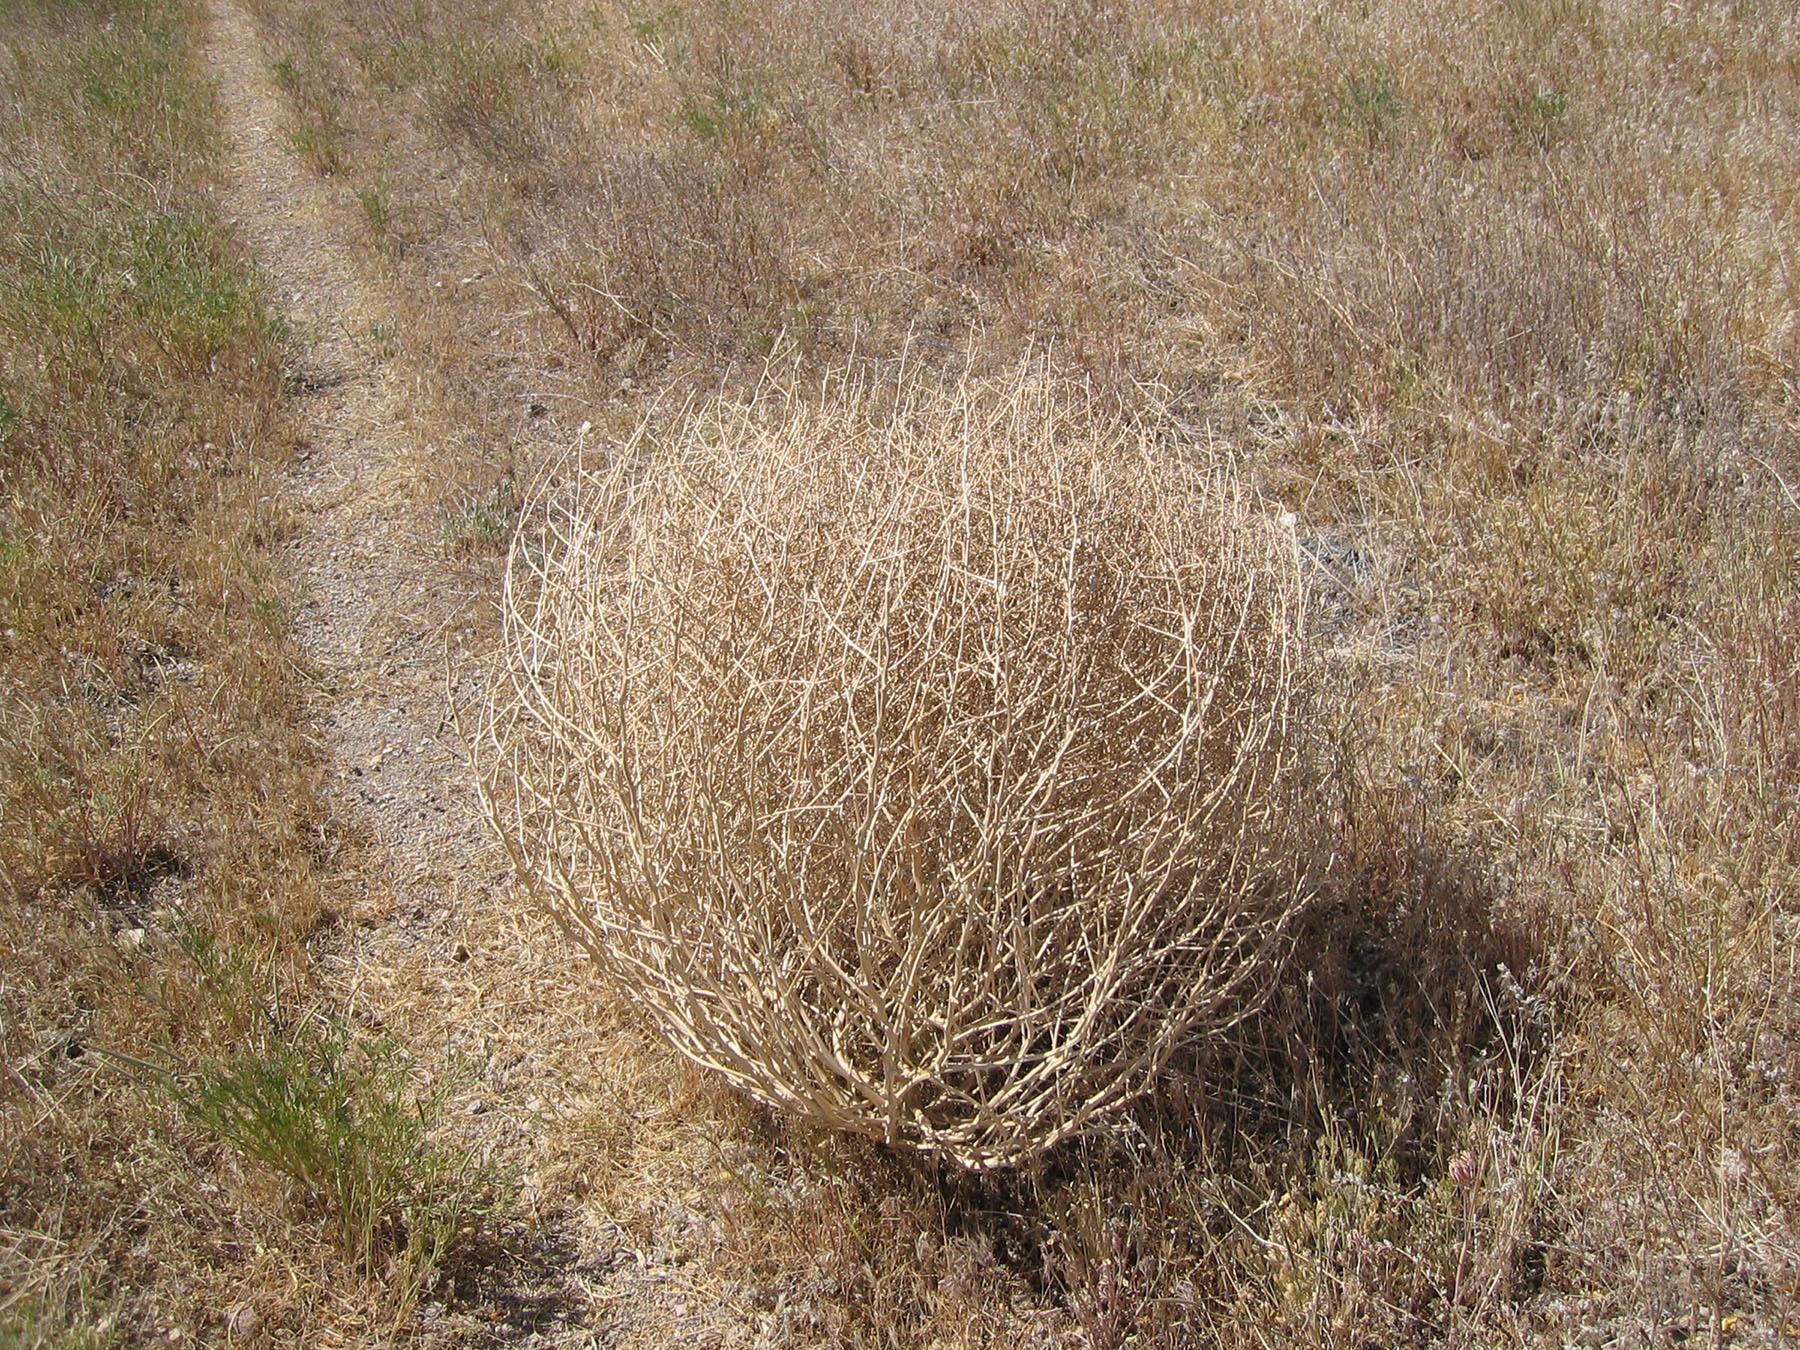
158 783
1497 300
194 1141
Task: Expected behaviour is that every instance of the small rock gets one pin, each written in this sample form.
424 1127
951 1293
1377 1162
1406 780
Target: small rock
242 1320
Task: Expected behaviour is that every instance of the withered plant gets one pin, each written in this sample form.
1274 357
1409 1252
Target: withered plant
927 772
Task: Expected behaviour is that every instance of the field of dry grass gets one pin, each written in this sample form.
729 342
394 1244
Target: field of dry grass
1499 300
157 790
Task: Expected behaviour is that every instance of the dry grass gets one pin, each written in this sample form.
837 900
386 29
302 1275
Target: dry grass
164 859
1498 300
931 774
153 778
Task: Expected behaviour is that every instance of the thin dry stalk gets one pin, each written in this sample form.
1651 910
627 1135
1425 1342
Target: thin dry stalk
930 776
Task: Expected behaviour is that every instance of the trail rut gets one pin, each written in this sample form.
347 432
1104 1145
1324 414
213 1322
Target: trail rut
430 947
628 1160
372 618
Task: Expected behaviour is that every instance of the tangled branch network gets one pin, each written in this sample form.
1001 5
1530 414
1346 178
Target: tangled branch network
932 771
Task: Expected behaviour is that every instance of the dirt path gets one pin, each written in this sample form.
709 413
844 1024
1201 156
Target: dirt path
373 617
432 947
623 1233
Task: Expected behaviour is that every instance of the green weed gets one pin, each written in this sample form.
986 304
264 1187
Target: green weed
378 208
660 34
181 282
317 135
58 1320
1539 118
322 147
1370 106
480 524
157 286
730 112
384 338
343 1115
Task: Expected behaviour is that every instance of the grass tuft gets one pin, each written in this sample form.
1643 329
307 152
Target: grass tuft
342 1116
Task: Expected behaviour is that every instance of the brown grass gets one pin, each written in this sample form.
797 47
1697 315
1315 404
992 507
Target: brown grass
1498 300
154 778
192 1145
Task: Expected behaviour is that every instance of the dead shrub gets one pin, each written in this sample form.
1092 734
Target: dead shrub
930 773
659 251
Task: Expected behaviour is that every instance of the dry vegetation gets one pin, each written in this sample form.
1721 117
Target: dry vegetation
930 771
1497 299
155 778
161 848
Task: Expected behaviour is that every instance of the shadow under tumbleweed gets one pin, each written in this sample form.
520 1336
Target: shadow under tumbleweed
1364 1160
1405 976
1355 1156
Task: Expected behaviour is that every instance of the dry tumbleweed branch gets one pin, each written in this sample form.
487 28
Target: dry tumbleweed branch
932 775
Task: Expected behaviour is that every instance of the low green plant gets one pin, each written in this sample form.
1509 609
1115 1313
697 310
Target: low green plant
41 1321
730 112
1370 105
10 416
1539 117
378 208
184 283
660 34
335 1113
479 524
384 338
341 1114
318 134
322 147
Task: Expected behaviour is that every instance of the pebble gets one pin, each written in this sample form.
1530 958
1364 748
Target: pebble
242 1320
